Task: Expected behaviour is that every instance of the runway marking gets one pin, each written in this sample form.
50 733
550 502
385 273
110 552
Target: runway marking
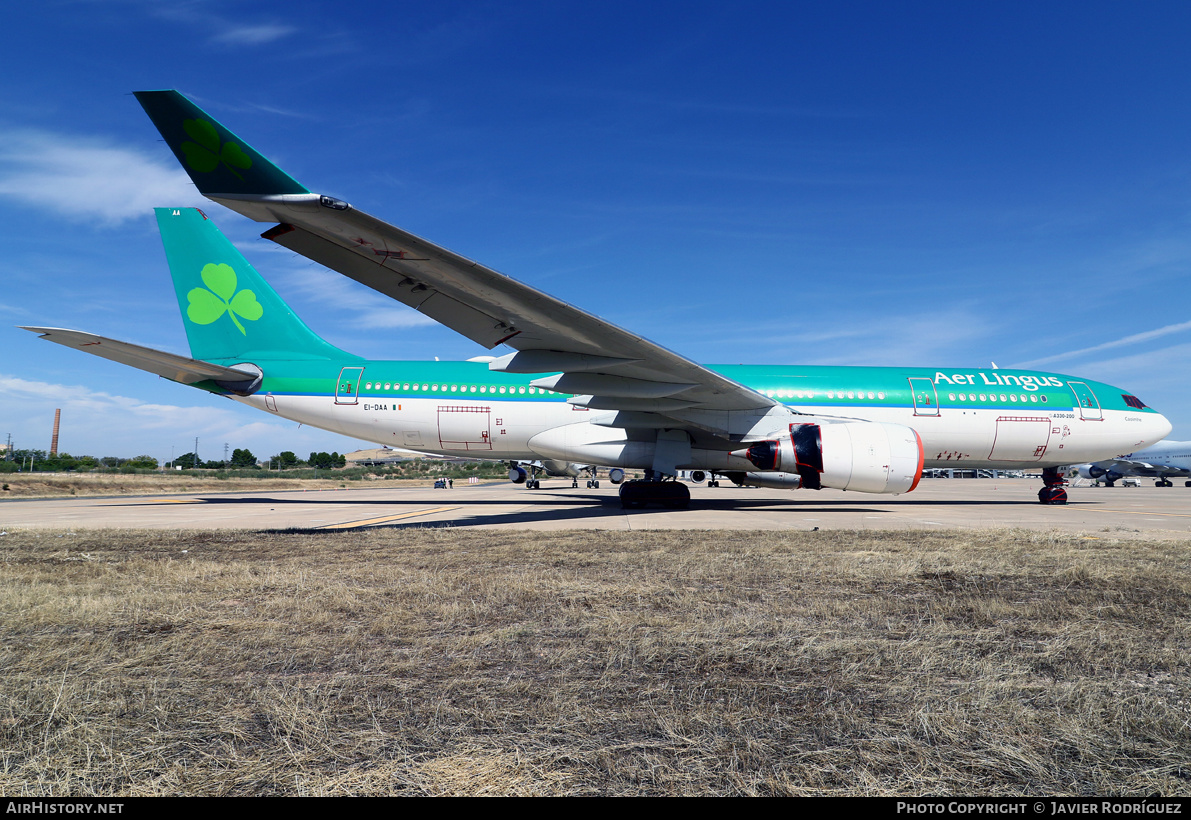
368 522
173 501
1147 512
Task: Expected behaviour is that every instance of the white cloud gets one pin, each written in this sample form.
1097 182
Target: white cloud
369 309
87 179
254 35
1135 338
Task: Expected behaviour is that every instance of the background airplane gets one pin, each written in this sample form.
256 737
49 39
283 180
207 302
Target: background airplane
1164 461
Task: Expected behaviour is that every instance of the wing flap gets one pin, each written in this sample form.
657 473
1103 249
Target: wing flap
475 324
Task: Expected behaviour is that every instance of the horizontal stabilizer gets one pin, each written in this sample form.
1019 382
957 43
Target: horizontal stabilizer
167 365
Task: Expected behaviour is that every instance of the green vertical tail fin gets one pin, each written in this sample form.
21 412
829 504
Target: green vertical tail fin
228 310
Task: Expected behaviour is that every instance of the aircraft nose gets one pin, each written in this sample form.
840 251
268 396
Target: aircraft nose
1158 428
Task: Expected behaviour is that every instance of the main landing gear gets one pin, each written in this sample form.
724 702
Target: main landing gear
518 474
672 494
1055 491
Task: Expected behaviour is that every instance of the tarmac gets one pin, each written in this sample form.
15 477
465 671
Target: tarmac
965 504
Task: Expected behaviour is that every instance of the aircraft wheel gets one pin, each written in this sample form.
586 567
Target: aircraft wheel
672 494
680 495
596 484
1053 495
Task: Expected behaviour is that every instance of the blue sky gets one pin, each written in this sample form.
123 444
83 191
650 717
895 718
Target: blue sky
927 184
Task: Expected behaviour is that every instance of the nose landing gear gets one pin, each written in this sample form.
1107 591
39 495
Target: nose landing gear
1055 489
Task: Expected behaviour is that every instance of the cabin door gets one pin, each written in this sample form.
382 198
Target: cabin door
926 398
1085 399
347 390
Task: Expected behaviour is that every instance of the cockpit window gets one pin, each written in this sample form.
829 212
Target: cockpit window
1133 401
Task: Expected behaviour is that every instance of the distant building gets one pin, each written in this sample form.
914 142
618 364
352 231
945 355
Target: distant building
379 456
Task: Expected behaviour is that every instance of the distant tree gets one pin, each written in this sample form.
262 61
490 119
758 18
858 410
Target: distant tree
186 461
141 462
243 458
286 459
320 461
325 461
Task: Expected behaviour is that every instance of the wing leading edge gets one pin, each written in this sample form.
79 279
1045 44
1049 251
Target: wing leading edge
605 366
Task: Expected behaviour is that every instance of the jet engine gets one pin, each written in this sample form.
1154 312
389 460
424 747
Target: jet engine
517 474
870 457
616 475
1098 472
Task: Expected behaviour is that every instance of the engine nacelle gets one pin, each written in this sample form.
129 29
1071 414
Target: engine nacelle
698 476
616 475
560 469
773 481
868 457
517 474
1094 471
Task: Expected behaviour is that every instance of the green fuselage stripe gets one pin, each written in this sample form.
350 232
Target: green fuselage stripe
827 387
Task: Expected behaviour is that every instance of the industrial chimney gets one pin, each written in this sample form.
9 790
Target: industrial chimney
54 440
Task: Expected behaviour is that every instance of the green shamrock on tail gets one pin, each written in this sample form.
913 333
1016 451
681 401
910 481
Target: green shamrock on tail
206 154
208 305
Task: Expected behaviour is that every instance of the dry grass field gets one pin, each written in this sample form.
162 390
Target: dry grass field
444 662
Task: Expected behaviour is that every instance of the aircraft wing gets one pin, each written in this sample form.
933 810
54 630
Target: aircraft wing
1144 468
604 366
167 365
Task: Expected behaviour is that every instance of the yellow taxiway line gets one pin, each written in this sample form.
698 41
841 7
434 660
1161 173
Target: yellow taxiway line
368 522
1147 512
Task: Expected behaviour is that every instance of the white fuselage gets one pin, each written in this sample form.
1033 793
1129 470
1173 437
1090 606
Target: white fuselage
510 429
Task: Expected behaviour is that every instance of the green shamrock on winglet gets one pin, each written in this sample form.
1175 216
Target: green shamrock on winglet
208 305
206 153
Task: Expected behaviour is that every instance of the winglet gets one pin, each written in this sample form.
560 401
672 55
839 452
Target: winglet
217 160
